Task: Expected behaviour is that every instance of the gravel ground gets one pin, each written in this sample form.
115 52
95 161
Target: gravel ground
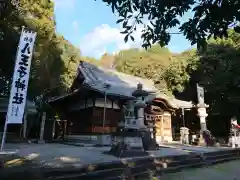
225 171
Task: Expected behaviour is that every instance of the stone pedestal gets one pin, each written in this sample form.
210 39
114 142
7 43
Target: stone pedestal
104 140
234 139
201 141
184 138
127 143
201 108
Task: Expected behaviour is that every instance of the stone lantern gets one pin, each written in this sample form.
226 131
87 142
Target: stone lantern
148 137
134 136
139 105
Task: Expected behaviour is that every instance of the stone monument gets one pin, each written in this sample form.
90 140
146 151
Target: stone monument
206 138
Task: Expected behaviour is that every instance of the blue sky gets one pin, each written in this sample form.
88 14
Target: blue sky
91 26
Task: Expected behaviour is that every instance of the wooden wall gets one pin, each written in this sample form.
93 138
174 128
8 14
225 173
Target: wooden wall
80 121
163 125
113 116
90 120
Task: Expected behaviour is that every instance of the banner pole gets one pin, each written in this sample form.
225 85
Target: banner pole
4 135
6 121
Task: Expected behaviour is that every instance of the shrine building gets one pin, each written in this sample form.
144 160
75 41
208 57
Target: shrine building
95 104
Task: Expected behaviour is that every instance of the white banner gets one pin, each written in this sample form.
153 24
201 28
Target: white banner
20 79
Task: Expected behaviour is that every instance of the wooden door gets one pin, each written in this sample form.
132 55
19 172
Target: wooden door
159 125
167 125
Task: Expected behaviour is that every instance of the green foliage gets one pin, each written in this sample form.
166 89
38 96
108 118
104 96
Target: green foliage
54 58
218 71
170 72
150 64
107 61
177 75
210 18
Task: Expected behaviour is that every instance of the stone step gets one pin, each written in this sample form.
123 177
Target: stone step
161 165
126 167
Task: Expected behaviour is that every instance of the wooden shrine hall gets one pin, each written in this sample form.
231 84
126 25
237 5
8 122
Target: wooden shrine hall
95 104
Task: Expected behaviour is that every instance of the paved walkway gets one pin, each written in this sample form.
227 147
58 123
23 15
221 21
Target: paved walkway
225 171
58 155
195 148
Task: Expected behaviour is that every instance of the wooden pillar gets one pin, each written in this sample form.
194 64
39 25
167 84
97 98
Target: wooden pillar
54 128
25 125
162 128
42 127
167 126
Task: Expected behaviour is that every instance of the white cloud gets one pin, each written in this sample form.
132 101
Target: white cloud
96 42
105 38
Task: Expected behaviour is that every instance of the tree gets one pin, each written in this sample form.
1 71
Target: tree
216 69
177 74
211 18
150 64
107 61
52 53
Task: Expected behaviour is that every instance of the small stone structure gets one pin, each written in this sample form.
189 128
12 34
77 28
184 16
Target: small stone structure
234 139
184 135
134 138
194 139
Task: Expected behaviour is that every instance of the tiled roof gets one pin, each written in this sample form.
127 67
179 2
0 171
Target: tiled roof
112 82
118 83
175 103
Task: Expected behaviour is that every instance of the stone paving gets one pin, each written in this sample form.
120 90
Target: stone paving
197 148
225 171
59 154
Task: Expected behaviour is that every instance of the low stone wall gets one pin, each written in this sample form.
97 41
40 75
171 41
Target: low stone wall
164 139
105 139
